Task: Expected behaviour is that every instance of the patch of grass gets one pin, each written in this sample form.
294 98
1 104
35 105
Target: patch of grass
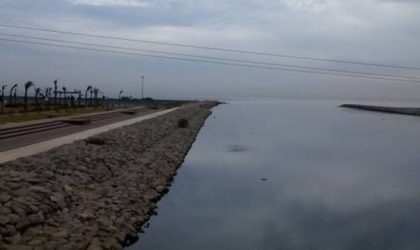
183 123
15 116
95 141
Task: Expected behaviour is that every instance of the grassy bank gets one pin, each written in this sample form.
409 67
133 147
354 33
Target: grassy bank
16 117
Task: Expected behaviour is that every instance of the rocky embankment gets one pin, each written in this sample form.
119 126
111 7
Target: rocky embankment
95 194
383 109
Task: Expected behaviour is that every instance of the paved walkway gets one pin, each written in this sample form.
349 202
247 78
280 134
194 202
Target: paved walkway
47 145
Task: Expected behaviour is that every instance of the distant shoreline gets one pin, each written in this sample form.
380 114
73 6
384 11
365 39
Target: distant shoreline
384 109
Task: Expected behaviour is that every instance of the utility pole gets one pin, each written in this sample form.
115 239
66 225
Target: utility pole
142 87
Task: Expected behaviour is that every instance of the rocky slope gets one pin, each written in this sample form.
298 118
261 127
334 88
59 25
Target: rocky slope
95 194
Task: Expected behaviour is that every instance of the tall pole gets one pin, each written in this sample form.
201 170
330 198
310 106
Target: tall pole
142 87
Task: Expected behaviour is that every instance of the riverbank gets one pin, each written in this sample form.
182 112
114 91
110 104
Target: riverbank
383 109
95 194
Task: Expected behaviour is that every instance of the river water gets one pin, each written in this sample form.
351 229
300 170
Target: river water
294 175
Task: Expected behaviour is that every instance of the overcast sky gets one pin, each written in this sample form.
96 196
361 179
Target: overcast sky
376 31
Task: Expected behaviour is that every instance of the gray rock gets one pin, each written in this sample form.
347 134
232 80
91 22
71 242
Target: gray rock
4 210
61 234
14 173
59 199
95 244
68 189
36 218
13 218
17 209
4 197
3 220
18 247
8 230
40 189
15 239
32 179
105 224
23 223
162 189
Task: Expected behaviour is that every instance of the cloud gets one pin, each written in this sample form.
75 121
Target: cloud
311 5
138 3
378 31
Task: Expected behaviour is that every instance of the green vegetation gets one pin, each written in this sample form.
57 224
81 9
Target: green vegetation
95 140
183 123
17 115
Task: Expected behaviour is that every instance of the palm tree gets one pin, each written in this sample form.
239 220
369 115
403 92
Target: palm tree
27 86
119 98
79 99
2 98
95 94
65 96
59 98
55 92
91 99
37 94
11 93
2 91
86 94
15 97
47 96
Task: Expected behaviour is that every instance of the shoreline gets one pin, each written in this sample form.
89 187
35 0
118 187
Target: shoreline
384 109
88 196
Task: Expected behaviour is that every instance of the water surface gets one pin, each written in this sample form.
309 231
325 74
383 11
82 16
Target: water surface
294 175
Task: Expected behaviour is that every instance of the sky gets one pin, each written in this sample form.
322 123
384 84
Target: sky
373 31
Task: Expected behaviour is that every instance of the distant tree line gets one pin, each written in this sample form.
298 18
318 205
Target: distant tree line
54 97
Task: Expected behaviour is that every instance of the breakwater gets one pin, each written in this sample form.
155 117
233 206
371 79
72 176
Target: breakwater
97 193
383 109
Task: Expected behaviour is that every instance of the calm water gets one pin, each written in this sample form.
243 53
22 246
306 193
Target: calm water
294 175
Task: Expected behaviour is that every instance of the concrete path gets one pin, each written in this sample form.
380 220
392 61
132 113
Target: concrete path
50 144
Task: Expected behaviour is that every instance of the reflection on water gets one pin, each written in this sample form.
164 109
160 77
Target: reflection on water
236 148
312 176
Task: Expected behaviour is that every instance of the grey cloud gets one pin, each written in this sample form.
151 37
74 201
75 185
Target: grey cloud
378 31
